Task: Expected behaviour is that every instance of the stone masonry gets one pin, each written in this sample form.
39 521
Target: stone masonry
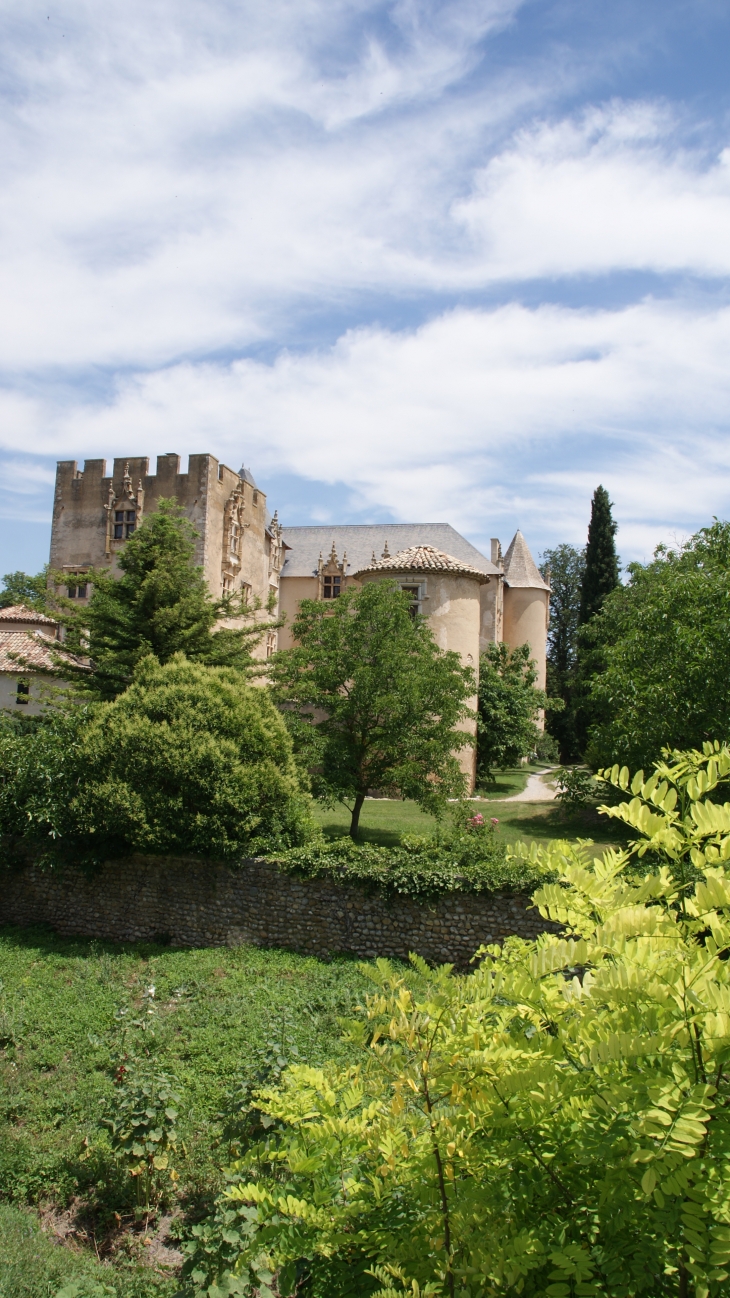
188 902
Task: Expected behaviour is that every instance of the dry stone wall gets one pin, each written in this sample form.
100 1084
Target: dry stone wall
188 902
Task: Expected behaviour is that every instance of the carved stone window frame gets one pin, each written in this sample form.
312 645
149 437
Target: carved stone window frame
331 575
128 501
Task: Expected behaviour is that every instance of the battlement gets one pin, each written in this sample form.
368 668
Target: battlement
95 512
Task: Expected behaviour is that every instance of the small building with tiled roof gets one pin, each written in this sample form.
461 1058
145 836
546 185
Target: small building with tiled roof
31 660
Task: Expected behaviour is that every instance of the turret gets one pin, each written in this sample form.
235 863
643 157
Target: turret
526 604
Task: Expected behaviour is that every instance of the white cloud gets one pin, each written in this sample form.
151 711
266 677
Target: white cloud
479 416
181 179
611 191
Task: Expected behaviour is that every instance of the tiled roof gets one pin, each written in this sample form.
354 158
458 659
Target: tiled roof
21 613
520 568
423 558
32 651
360 541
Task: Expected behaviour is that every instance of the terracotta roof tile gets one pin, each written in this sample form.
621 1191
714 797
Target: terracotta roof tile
21 613
423 558
32 651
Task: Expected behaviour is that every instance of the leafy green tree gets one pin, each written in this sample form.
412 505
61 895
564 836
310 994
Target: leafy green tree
555 1123
372 701
566 564
663 640
21 588
160 605
600 578
508 707
189 759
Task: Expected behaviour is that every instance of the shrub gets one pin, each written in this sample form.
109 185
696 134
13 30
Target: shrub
576 787
142 1131
547 748
463 855
189 759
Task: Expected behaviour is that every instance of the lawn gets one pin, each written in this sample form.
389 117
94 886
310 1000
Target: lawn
219 1014
383 821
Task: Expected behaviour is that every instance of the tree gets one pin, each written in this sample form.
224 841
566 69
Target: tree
565 564
556 1122
663 640
372 701
21 588
600 574
508 707
189 759
600 578
160 605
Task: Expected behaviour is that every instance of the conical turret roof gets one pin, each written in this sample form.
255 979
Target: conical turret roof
520 568
422 558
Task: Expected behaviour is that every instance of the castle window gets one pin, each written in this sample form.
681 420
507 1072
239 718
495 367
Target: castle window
124 522
414 592
77 592
331 587
270 644
22 694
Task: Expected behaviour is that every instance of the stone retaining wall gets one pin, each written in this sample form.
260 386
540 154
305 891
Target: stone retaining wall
188 902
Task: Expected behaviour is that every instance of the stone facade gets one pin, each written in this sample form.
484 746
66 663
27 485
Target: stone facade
242 548
239 546
188 902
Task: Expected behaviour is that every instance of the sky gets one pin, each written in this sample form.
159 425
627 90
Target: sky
410 261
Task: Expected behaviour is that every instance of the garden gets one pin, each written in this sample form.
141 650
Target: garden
221 1121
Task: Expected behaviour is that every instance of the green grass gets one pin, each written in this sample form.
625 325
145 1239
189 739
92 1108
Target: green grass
33 1266
383 821
217 1009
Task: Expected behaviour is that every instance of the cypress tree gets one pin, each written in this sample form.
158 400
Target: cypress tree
600 575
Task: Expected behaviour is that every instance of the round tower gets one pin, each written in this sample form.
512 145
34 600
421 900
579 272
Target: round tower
445 591
526 604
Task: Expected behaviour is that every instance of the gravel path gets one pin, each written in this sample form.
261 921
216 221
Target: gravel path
535 790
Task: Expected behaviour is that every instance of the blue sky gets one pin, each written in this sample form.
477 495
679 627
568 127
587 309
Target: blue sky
413 261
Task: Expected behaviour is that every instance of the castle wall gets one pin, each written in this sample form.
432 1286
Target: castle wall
292 591
491 610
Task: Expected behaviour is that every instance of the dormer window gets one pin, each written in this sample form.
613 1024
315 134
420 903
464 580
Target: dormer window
331 587
124 523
